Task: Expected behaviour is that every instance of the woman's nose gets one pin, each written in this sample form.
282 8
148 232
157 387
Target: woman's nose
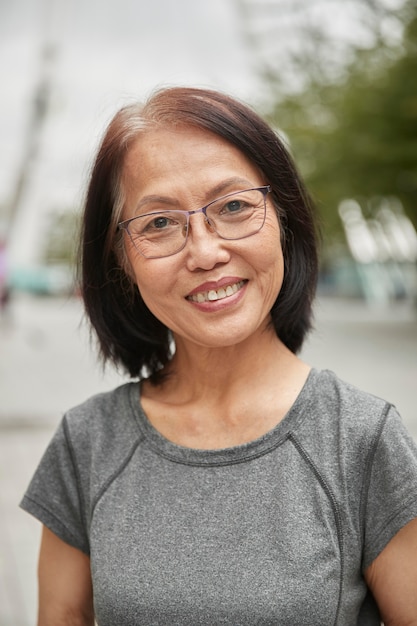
205 248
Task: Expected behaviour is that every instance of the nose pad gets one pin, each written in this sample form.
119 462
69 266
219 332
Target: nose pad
209 224
189 228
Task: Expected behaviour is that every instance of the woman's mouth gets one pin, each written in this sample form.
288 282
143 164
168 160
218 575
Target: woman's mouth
217 294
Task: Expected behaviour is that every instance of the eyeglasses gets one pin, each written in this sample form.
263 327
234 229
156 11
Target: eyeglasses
234 216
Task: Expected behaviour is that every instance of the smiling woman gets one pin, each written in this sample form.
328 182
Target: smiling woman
213 249
231 483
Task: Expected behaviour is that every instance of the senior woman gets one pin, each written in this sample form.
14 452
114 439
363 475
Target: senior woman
231 483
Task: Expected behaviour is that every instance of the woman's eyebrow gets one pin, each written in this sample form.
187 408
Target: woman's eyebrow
217 190
155 199
234 181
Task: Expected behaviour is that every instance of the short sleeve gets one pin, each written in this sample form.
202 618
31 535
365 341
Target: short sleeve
390 496
54 495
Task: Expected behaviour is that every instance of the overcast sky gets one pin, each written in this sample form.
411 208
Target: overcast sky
108 52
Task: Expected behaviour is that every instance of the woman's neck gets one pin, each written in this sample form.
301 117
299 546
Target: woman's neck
203 367
225 396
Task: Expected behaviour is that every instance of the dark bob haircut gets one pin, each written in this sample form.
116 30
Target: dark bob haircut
129 335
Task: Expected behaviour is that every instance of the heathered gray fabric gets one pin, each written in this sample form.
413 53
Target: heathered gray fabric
276 531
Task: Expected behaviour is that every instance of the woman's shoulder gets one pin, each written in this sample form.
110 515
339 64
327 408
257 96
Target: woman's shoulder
103 410
104 424
91 443
101 434
337 397
351 437
337 414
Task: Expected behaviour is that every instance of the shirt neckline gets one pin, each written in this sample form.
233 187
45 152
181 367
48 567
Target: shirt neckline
223 456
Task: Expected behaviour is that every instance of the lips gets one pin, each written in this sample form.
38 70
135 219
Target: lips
211 295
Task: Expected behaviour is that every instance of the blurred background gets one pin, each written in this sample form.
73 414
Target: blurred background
336 78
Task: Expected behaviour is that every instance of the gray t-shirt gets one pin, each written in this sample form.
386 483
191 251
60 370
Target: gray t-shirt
276 531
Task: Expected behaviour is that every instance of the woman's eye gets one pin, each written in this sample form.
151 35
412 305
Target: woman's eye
159 222
233 206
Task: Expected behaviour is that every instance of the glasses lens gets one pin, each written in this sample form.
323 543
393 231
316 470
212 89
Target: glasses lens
234 216
159 234
238 215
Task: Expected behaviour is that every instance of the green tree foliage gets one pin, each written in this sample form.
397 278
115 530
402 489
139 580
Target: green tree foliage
357 137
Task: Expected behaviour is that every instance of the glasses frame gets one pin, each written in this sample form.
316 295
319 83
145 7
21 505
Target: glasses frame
124 225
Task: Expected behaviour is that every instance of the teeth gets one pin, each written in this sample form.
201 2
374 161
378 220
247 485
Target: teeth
219 294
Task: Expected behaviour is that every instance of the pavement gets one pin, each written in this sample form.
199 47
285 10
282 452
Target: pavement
47 364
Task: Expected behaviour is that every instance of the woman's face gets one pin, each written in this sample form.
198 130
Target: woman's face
188 168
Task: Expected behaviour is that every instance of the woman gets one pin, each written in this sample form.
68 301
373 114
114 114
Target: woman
233 484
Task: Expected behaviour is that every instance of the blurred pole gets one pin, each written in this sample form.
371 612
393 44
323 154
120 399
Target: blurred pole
37 118
23 223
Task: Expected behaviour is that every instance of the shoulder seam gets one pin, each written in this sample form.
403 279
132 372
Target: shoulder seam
368 468
115 474
336 511
83 508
